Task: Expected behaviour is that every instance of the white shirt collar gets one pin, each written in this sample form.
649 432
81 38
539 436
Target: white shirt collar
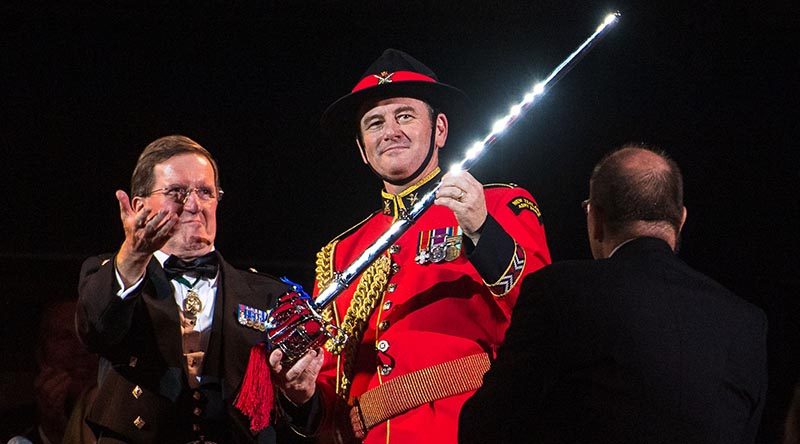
162 257
620 245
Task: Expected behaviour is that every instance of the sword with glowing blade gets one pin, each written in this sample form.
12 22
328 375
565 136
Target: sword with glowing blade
346 277
296 326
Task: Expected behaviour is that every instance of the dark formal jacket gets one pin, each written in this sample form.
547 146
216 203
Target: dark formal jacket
636 348
144 396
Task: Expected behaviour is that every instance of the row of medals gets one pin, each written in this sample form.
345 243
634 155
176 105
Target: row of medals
447 250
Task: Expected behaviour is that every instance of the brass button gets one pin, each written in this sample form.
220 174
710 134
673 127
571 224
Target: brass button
387 305
383 325
133 361
139 422
136 392
395 267
197 395
382 345
195 427
391 288
385 370
394 249
197 411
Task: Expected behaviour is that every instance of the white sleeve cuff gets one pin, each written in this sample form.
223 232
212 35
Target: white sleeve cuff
124 292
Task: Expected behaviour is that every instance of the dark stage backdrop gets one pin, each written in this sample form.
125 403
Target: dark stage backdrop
85 87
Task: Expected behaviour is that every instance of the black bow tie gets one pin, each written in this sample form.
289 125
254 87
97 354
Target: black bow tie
205 266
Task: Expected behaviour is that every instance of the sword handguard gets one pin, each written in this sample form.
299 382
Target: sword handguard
295 326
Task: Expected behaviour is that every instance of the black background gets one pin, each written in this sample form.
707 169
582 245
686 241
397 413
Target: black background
85 87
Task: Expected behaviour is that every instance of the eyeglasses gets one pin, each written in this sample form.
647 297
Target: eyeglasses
181 194
585 206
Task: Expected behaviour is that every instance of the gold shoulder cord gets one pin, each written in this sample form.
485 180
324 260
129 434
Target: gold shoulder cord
324 275
365 298
324 265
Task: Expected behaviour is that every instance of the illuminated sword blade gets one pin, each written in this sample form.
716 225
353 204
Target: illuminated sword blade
519 109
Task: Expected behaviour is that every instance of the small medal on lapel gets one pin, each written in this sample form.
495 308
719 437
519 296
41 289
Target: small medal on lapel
252 317
192 304
453 248
437 252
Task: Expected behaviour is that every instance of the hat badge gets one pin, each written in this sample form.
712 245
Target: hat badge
384 77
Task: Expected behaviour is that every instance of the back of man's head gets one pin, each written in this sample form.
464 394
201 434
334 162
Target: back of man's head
638 188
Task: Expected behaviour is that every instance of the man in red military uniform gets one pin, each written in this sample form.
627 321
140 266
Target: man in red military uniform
425 319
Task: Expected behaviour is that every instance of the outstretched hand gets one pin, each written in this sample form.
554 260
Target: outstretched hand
145 233
298 383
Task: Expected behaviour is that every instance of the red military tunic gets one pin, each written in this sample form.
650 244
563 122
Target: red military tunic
431 312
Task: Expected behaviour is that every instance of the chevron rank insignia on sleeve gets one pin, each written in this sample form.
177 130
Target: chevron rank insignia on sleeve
511 275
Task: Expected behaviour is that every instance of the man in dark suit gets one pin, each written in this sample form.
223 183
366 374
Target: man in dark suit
633 347
173 320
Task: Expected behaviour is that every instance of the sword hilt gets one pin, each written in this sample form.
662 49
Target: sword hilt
296 326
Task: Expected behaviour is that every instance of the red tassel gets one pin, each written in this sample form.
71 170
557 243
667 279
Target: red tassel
256 397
